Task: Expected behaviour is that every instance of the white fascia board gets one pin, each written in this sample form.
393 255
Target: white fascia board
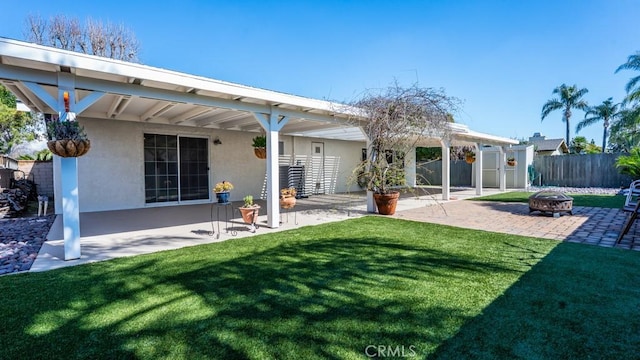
44 54
486 138
20 106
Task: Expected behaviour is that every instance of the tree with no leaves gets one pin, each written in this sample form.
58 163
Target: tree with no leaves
569 97
395 120
95 38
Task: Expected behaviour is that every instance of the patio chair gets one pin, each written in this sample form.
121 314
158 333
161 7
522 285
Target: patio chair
632 196
630 220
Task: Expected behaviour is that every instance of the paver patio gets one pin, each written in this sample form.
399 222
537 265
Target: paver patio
597 226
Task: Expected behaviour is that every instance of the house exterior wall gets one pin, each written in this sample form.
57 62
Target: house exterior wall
111 174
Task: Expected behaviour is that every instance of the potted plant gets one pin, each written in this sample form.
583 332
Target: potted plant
67 138
469 157
249 210
222 190
260 146
288 197
511 161
394 120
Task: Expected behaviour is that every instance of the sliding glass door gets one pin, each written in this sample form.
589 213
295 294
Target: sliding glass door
176 168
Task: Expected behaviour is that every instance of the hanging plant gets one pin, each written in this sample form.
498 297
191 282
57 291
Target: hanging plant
67 139
260 146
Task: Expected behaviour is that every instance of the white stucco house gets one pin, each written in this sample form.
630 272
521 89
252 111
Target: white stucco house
164 138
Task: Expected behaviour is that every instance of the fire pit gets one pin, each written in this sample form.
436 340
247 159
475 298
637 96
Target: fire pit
550 202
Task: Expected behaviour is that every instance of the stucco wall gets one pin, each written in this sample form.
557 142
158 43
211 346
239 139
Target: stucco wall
112 173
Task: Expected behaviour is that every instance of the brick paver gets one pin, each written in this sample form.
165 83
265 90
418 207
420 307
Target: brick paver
589 225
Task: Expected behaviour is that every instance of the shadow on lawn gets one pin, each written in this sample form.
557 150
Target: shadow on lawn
579 302
328 298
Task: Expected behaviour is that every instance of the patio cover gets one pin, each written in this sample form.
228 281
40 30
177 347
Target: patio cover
114 90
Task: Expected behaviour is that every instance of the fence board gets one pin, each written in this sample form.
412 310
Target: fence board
430 173
579 170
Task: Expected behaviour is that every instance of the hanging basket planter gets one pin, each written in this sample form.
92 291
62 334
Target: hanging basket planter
512 162
470 159
261 153
69 148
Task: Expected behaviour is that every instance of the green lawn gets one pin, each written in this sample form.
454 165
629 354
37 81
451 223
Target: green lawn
335 291
604 201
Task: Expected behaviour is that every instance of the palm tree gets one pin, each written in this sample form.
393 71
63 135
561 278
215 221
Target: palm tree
633 86
625 131
569 97
607 111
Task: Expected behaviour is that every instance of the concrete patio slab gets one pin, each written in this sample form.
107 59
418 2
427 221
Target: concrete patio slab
112 234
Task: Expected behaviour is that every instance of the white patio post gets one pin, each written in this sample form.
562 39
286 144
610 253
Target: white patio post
478 165
272 124
69 175
446 169
410 167
502 165
68 166
273 178
371 203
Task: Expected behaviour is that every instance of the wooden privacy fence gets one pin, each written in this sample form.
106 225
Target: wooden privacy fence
430 173
579 170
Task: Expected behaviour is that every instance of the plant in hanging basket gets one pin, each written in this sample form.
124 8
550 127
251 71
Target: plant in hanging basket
512 161
469 157
67 139
260 146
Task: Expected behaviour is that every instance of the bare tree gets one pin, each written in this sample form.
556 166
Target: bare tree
96 38
35 29
395 120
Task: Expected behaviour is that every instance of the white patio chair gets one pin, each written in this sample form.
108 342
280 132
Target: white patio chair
632 197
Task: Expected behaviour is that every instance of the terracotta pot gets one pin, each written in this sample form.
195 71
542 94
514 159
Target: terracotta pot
261 153
250 215
287 202
386 203
69 148
512 162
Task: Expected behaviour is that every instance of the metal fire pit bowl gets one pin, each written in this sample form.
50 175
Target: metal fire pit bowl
553 202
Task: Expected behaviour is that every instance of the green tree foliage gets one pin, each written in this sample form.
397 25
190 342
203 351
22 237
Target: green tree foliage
7 97
592 148
16 126
569 98
605 112
633 86
578 144
625 131
42 155
630 164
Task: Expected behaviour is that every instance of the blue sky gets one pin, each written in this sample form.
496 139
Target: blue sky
502 58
